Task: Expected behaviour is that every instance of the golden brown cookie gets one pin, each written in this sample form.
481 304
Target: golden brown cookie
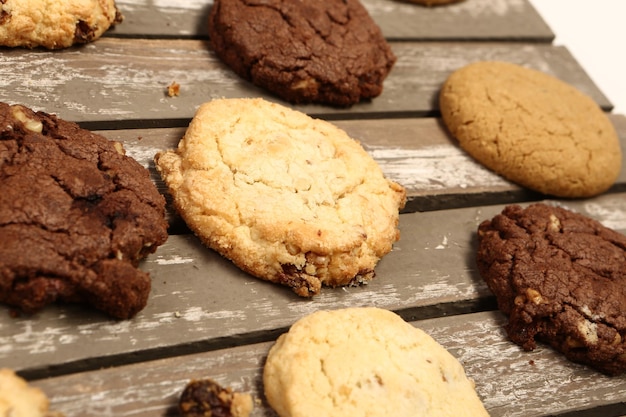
365 362
55 24
531 128
18 399
288 198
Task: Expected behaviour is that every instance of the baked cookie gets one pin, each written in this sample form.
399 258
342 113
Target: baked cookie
205 397
365 361
76 216
328 52
531 128
560 277
64 23
18 399
287 198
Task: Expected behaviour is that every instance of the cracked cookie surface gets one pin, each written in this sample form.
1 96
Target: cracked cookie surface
531 128
560 277
328 52
288 198
55 24
365 361
76 216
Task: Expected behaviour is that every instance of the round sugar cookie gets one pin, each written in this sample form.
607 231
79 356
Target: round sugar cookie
23 23
531 128
288 198
365 361
329 52
560 277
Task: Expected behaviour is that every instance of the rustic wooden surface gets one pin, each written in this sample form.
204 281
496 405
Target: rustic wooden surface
207 318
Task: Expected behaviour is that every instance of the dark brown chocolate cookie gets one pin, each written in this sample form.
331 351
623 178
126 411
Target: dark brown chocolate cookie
329 52
207 398
76 216
560 277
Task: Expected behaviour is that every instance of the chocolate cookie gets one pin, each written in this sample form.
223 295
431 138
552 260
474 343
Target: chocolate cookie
76 216
560 277
532 128
328 52
64 22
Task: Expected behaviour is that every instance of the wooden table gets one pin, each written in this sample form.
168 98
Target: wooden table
205 318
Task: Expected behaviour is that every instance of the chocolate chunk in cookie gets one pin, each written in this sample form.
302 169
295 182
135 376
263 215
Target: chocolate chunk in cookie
63 24
560 277
205 397
76 216
329 52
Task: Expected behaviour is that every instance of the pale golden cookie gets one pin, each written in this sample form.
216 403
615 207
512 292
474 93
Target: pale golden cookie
55 24
532 128
18 399
365 362
288 198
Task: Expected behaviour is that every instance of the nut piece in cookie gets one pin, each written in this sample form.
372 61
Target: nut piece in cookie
328 52
365 361
76 216
560 277
205 397
531 128
55 24
288 198
18 399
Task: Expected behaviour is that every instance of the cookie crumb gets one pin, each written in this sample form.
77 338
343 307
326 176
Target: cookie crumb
205 397
173 90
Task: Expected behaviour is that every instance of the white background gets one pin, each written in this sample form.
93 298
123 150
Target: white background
594 31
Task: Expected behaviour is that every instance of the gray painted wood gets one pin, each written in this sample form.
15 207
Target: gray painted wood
201 301
510 382
122 82
207 318
475 19
417 153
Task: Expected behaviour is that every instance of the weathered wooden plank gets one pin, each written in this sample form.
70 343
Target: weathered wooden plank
122 82
415 152
200 301
476 19
509 381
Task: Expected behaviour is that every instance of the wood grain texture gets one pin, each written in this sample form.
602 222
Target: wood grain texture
117 83
417 153
201 301
475 19
507 379
205 317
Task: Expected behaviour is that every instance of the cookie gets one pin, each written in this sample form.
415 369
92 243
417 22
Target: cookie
531 128
76 216
288 198
64 23
18 399
365 361
205 397
560 277
328 52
